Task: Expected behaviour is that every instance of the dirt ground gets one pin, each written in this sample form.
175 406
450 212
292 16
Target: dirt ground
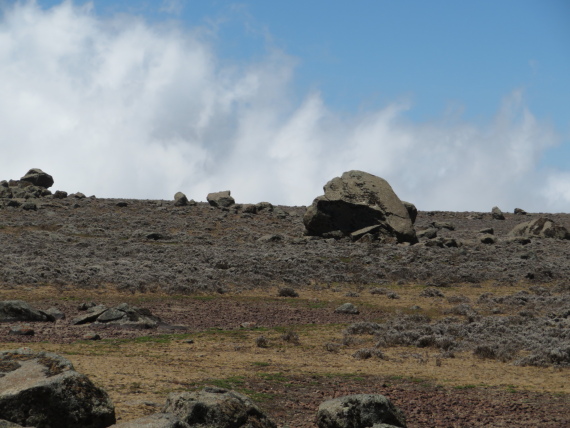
214 342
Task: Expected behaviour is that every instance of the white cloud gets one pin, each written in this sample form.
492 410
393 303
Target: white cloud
120 108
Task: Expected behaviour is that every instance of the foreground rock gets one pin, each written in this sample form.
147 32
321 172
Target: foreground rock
542 227
360 410
122 315
44 391
217 407
355 201
18 310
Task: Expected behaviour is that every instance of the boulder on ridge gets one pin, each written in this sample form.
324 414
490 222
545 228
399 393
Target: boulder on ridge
357 200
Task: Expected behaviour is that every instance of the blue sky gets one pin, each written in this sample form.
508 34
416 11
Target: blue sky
433 96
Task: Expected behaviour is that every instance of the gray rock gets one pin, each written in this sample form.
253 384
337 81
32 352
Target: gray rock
497 214
443 225
55 313
519 211
217 407
373 230
38 178
20 330
18 310
271 238
263 206
158 420
43 390
412 211
430 233
180 199
357 200
60 194
542 227
488 231
220 199
5 192
347 308
29 206
360 410
91 315
112 314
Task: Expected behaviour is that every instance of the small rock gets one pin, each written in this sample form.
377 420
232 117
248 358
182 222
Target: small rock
91 336
347 308
497 214
487 239
122 204
21 331
220 199
487 231
520 211
180 199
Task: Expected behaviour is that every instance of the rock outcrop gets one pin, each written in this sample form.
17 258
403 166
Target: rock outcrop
542 227
220 199
360 410
18 310
34 184
44 391
122 315
217 407
355 201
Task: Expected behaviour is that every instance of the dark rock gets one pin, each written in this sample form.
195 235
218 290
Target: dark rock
373 230
78 195
19 330
412 211
156 236
520 211
217 407
488 231
264 206
60 194
43 390
17 310
357 200
287 292
5 192
220 199
13 203
7 424
55 313
347 308
271 238
541 227
121 315
86 305
122 204
30 206
37 177
487 239
180 199
91 315
91 336
360 410
497 214
443 225
430 233
158 420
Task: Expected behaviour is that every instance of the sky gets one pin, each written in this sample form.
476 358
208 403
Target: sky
460 106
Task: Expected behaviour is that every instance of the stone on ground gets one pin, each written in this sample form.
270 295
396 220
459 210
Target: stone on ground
360 410
18 310
38 178
217 407
542 227
220 199
43 390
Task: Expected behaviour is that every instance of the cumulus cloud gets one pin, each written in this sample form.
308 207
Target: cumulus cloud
118 107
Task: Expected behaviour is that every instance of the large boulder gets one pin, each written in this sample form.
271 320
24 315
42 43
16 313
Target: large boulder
158 420
360 410
180 199
44 391
357 200
18 310
38 178
217 407
220 199
542 227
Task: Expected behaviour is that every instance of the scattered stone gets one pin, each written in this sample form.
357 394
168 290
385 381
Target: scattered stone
430 233
180 199
263 206
220 199
443 225
487 231
520 211
497 214
217 407
78 195
357 200
19 330
86 305
39 178
18 310
347 308
487 239
91 315
43 390
431 292
122 204
56 314
29 206
271 238
91 336
287 292
360 410
156 236
122 315
158 420
541 227
60 194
